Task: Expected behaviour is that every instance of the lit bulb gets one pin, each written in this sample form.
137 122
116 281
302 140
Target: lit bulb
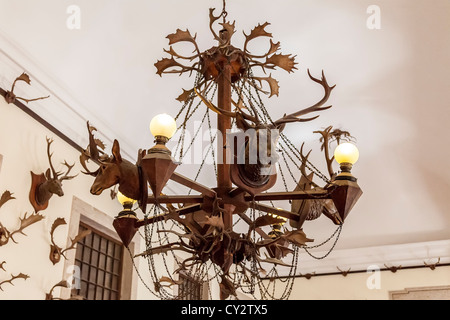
273 215
163 125
346 153
124 200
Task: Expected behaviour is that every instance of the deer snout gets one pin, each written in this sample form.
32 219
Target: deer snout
96 190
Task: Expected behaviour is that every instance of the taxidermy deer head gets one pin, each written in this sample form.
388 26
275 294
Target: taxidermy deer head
10 97
55 251
313 209
253 176
113 169
44 186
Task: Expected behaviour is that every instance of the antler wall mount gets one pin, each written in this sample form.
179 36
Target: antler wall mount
205 220
44 186
56 251
11 97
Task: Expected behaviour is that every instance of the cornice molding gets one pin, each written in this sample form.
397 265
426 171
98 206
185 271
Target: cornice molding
362 259
62 110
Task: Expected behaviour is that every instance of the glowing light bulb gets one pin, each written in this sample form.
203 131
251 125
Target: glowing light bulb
163 125
124 200
346 153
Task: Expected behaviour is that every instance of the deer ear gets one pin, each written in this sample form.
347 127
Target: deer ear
48 174
281 127
241 123
116 152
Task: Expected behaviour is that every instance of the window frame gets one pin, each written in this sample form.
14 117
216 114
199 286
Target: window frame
84 214
106 254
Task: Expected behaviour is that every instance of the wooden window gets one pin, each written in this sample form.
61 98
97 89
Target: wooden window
189 288
100 260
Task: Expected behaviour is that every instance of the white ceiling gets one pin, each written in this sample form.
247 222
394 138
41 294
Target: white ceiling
392 89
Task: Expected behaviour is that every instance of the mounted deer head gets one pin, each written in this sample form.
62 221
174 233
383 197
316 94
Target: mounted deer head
255 162
313 209
44 186
113 169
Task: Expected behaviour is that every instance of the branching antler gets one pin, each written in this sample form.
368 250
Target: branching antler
294 117
10 97
25 222
393 269
94 151
56 251
6 196
325 148
434 265
62 284
56 175
344 272
10 281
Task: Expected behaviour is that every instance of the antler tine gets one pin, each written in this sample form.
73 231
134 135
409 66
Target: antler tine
223 112
303 165
69 168
294 117
50 154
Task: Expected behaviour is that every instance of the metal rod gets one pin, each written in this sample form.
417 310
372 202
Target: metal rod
294 195
176 199
192 185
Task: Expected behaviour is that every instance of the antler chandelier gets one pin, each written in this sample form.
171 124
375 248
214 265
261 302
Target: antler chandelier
198 231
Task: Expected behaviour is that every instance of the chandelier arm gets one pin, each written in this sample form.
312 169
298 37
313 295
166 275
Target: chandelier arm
164 249
293 195
191 184
176 199
279 212
181 211
250 223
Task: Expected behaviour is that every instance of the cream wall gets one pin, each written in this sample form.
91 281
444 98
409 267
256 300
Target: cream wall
23 147
354 286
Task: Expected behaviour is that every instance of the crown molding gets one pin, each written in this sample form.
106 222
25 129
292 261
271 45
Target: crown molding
62 110
407 255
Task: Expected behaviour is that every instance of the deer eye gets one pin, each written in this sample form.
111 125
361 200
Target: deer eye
103 167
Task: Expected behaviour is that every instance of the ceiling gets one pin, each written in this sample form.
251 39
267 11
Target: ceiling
392 89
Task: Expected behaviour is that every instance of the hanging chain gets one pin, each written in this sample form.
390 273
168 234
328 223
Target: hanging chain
224 11
338 231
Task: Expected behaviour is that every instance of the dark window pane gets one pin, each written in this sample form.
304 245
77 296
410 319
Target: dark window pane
86 255
111 249
109 264
84 272
94 257
88 240
104 245
99 293
116 268
79 254
96 242
108 278
115 282
91 292
118 251
100 261
93 274
101 277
